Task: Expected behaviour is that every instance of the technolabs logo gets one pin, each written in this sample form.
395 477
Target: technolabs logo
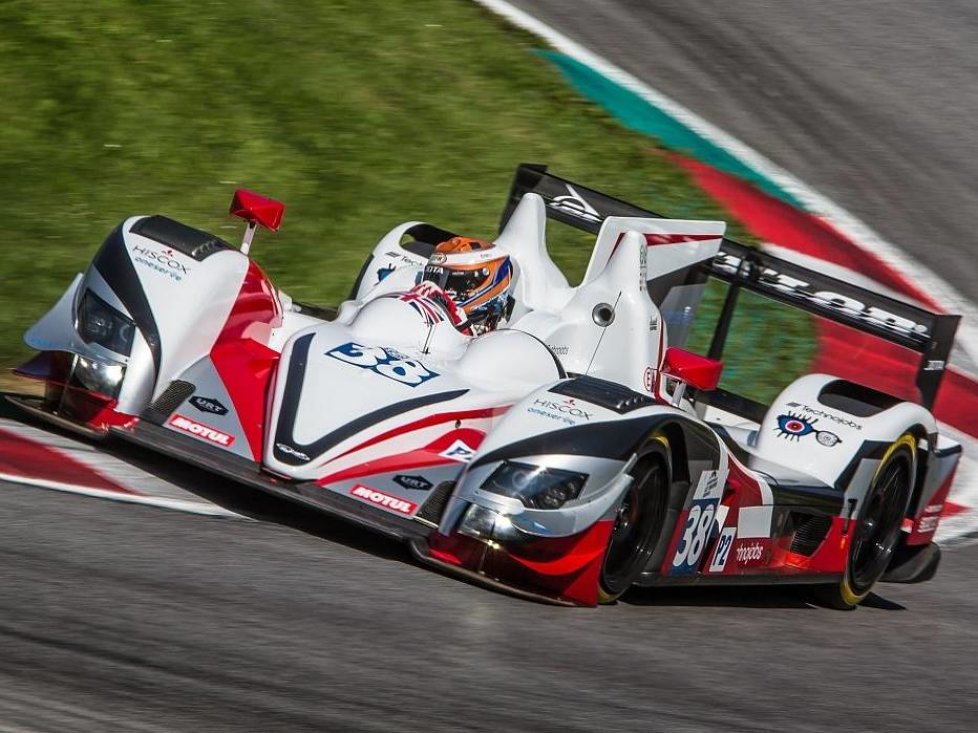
575 205
793 427
827 415
162 261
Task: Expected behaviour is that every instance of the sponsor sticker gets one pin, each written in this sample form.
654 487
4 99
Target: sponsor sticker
754 521
163 261
793 427
458 451
201 431
566 411
749 553
708 487
289 450
805 291
815 412
415 483
575 205
208 404
722 551
394 254
932 517
385 361
394 503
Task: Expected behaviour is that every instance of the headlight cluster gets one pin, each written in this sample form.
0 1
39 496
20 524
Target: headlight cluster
535 486
100 323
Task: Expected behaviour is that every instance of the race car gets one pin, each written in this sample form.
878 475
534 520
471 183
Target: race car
555 441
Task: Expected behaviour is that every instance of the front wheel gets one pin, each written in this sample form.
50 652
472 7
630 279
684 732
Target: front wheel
638 522
878 527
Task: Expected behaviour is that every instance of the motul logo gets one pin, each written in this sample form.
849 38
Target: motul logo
385 500
201 431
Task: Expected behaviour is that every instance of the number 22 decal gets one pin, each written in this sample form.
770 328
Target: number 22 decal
724 543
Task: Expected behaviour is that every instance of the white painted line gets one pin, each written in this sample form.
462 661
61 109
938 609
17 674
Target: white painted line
106 464
180 505
847 224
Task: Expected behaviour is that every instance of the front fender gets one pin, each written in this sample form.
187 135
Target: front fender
574 425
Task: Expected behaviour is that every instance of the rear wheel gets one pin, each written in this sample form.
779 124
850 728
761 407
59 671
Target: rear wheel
638 522
878 528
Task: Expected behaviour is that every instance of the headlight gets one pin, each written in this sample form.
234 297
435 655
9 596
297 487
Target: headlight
100 323
535 486
97 377
488 524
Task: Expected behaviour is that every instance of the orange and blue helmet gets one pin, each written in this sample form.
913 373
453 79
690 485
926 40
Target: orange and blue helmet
476 274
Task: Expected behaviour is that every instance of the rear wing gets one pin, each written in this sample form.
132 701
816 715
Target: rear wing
929 334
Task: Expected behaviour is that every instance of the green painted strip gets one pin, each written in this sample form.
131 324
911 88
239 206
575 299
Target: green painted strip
641 116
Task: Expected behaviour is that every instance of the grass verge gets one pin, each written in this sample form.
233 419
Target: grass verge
358 114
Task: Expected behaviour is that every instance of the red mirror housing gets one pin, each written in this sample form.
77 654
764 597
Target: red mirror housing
257 209
697 371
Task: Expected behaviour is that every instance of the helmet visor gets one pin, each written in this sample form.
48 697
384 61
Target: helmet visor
458 283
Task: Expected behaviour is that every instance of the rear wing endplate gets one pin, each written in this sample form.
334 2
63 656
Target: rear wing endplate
929 334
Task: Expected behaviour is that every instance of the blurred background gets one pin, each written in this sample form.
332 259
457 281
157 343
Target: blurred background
358 115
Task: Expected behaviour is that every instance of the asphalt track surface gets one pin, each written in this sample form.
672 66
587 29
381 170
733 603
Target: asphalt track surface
871 103
117 617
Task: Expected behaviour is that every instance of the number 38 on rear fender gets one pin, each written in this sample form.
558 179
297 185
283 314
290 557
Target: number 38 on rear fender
696 530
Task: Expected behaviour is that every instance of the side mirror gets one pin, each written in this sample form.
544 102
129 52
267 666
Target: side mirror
692 369
257 210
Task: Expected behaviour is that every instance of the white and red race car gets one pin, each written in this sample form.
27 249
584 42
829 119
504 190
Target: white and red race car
570 454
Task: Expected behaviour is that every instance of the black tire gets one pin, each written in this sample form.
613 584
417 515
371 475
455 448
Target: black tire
638 523
878 528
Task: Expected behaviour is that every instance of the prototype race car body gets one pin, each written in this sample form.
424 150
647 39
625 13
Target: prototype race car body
569 455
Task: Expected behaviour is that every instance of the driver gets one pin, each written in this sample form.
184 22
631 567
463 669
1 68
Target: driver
477 275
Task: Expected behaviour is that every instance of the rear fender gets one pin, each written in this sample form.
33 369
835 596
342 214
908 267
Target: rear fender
838 432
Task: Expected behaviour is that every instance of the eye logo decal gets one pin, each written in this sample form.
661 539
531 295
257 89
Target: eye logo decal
793 427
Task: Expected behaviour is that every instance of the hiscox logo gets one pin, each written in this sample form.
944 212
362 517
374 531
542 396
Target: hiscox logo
568 407
164 261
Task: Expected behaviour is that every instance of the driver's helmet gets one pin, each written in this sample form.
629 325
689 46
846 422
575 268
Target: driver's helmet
476 274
